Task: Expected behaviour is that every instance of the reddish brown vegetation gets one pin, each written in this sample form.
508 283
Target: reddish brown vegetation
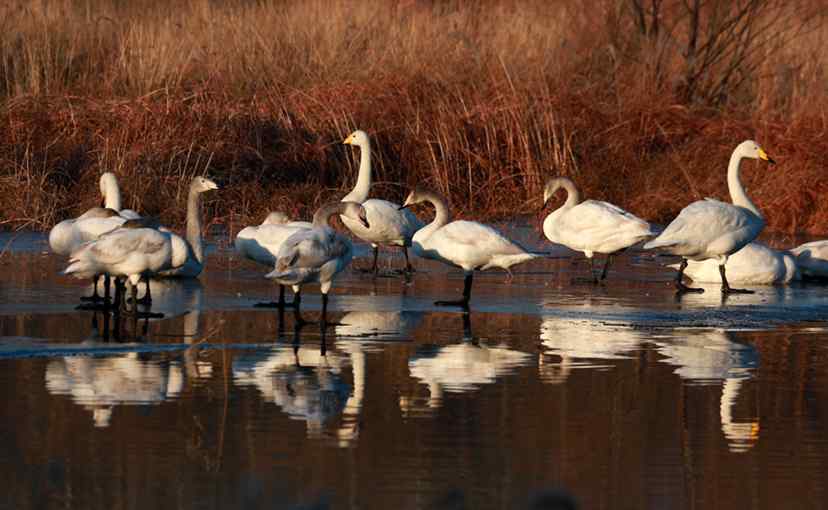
453 97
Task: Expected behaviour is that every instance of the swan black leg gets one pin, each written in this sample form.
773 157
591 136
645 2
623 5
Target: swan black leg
606 267
726 289
463 303
681 288
297 315
408 267
324 319
374 268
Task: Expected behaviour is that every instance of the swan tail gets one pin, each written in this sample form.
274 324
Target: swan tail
80 269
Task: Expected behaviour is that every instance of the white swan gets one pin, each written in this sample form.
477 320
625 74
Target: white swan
318 254
812 259
130 253
389 226
754 264
466 244
709 229
68 235
261 244
591 226
188 255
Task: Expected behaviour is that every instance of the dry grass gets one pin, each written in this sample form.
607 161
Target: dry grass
481 100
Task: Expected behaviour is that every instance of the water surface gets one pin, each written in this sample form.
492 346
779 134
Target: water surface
617 395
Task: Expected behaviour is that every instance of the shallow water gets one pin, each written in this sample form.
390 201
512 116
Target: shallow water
617 395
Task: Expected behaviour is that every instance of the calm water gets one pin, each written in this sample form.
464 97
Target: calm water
616 395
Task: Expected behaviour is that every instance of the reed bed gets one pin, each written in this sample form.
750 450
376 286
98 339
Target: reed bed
480 100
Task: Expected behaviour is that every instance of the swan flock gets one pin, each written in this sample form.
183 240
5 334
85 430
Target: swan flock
714 241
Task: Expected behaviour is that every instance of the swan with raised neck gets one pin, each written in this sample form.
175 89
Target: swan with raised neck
360 192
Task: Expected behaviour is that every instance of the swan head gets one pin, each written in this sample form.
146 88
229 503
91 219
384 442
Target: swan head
276 218
356 212
751 149
418 195
358 138
201 184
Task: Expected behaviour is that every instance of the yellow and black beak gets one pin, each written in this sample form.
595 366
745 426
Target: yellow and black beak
764 156
349 140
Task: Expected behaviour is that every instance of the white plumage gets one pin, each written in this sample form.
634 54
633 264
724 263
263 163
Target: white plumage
318 254
389 226
754 264
812 259
465 244
131 253
710 229
261 243
591 226
188 254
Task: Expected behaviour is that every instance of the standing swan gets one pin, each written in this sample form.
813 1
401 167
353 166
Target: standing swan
709 229
317 254
591 226
467 244
261 244
126 252
389 225
188 255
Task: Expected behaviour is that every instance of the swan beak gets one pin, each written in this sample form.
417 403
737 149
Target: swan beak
349 140
764 155
364 222
404 206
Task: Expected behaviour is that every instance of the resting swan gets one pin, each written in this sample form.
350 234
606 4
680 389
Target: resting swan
709 229
755 264
591 226
389 225
318 254
188 255
467 244
812 259
261 244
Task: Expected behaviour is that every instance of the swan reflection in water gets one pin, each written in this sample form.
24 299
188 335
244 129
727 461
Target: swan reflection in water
707 357
101 383
308 384
574 341
459 368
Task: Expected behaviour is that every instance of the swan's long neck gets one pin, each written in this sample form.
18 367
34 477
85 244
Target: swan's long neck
363 185
573 196
194 224
322 215
442 215
113 195
734 184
